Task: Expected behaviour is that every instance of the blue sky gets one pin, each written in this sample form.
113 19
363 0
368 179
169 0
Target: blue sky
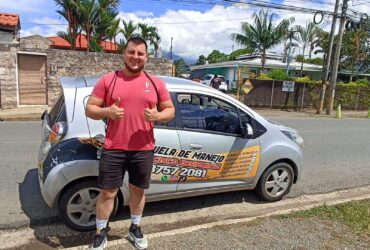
195 28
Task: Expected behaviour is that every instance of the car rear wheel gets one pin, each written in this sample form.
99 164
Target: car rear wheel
77 205
275 182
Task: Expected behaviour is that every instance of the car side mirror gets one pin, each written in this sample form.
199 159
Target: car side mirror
247 131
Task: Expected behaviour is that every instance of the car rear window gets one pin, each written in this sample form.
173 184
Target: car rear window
58 111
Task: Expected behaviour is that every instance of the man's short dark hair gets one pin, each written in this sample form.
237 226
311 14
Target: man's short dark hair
137 40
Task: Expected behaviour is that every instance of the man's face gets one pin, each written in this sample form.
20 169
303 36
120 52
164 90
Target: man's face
135 57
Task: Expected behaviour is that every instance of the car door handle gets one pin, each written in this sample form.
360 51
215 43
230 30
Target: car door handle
195 146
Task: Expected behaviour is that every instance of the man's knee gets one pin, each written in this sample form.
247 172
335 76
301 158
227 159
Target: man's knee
108 194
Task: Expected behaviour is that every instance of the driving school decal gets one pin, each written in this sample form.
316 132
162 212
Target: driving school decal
178 165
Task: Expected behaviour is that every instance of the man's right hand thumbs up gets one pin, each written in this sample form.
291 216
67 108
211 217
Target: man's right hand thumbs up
115 112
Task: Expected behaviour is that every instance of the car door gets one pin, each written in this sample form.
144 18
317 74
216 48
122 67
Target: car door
164 166
213 151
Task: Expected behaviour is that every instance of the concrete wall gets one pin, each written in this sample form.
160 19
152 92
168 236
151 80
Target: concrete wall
62 63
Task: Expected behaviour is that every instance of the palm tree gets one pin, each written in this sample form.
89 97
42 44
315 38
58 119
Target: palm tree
306 37
88 11
150 34
109 5
106 19
129 29
114 30
69 11
263 34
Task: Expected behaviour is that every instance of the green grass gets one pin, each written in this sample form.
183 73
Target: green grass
355 214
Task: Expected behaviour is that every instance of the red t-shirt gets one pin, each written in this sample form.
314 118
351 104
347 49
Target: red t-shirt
131 132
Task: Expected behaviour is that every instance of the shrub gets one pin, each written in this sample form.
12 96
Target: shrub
263 76
363 81
278 74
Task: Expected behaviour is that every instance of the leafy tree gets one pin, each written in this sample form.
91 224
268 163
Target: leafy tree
317 61
201 60
181 67
106 21
93 18
290 39
150 34
305 38
240 52
68 10
299 58
88 14
129 29
114 30
355 52
263 34
217 56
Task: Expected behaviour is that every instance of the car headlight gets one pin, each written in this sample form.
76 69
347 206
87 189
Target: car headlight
293 135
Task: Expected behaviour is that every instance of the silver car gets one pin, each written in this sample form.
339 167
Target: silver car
214 144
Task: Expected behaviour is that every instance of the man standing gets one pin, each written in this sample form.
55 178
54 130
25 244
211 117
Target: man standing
131 101
215 82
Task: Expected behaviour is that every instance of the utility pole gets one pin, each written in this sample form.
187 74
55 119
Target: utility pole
328 58
333 78
173 65
171 49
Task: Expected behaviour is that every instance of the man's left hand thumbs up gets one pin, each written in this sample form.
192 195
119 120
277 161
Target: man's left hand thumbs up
151 114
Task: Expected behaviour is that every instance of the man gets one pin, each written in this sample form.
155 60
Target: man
128 99
215 82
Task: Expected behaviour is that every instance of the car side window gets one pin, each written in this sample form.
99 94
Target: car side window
208 113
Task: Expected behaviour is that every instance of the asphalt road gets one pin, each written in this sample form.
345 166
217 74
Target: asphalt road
336 157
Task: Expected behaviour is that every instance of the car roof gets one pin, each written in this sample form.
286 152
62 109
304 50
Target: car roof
90 81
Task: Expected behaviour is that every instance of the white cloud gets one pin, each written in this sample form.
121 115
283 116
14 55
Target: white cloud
45 26
194 32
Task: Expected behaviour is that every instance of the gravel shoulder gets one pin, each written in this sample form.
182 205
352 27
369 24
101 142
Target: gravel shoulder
280 225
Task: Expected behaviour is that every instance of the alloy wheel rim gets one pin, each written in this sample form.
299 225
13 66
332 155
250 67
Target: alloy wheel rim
81 207
277 182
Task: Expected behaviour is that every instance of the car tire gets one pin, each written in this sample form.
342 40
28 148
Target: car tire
77 205
275 182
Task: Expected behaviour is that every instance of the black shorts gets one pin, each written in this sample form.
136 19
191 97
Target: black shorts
114 163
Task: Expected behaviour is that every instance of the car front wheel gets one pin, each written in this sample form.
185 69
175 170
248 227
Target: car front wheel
275 182
77 205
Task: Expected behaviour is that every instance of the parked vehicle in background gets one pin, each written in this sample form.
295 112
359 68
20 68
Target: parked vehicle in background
214 144
207 79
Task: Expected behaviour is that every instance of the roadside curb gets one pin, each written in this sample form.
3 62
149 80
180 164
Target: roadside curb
230 221
14 238
35 117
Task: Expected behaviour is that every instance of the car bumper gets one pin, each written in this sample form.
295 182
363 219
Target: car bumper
53 184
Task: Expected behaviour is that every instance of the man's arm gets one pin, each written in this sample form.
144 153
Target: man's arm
166 114
95 111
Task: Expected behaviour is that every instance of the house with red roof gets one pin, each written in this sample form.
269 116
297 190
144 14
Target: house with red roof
9 28
81 44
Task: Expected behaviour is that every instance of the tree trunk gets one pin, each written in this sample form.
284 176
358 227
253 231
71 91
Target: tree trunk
304 48
263 60
285 55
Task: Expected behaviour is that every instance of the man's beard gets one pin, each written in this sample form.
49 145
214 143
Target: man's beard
134 71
